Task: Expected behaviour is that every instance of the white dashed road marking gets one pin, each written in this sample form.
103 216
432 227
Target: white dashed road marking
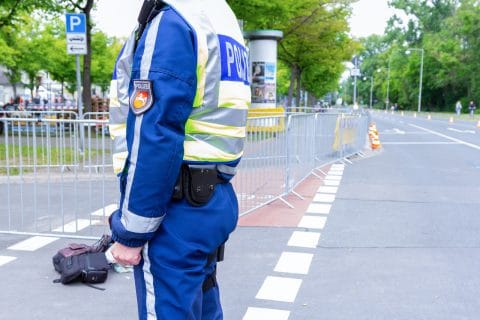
294 262
279 289
304 239
325 189
331 182
108 210
335 172
37 242
419 143
319 208
310 222
6 259
324 197
331 177
33 243
285 289
468 144
76 225
266 314
462 131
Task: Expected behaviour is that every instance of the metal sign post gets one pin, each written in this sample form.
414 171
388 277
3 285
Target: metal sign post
355 74
76 31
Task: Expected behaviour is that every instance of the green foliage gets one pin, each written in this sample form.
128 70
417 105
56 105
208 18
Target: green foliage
7 54
449 33
283 78
104 53
38 44
13 12
60 65
315 42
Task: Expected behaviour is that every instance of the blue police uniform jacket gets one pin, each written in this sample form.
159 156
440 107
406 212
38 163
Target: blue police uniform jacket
169 92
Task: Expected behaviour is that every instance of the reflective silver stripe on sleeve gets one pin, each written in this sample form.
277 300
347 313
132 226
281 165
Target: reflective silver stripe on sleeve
223 116
118 115
124 69
213 67
226 144
223 168
119 144
129 219
149 285
138 224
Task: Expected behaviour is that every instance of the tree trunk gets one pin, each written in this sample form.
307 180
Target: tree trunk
312 100
298 89
290 88
87 61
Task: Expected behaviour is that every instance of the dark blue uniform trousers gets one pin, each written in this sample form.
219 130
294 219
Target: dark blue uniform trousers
175 262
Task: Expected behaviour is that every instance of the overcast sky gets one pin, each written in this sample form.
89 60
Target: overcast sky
118 17
370 17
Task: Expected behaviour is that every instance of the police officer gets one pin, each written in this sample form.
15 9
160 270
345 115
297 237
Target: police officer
182 83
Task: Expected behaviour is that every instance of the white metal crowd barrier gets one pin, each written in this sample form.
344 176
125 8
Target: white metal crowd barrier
56 172
289 148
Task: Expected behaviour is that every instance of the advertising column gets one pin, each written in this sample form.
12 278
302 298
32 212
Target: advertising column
263 59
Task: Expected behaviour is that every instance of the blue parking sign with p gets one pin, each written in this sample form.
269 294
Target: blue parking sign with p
76 23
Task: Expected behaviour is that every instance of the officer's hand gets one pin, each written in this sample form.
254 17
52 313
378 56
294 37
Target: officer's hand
126 255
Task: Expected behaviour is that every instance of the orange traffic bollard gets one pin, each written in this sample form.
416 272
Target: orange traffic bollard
373 135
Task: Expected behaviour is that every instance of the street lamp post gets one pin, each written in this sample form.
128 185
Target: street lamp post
421 75
355 90
371 89
355 73
388 81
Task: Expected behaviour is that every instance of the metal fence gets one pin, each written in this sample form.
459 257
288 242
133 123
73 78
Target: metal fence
56 172
281 152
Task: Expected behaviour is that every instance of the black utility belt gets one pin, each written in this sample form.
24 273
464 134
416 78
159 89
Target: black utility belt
196 183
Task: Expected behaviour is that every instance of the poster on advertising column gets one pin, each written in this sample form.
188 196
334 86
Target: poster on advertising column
258 81
270 82
263 82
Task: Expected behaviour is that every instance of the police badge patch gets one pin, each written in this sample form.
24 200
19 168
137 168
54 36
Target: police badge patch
142 96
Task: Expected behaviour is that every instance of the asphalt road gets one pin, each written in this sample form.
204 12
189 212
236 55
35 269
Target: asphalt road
398 240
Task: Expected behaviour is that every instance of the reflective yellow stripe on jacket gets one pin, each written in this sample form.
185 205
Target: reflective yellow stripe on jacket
216 128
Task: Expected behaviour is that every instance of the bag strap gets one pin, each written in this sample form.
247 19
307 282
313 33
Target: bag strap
85 283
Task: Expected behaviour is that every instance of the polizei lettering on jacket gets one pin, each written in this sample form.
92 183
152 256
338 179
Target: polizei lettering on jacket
235 64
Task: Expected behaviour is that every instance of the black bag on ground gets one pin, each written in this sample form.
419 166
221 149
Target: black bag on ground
83 262
87 267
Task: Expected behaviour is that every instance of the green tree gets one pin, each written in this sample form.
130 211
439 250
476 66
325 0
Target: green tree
464 28
425 29
104 52
59 65
7 53
315 41
11 60
428 26
13 12
30 49
427 15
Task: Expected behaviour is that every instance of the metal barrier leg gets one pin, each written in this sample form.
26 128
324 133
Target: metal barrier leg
298 195
286 202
